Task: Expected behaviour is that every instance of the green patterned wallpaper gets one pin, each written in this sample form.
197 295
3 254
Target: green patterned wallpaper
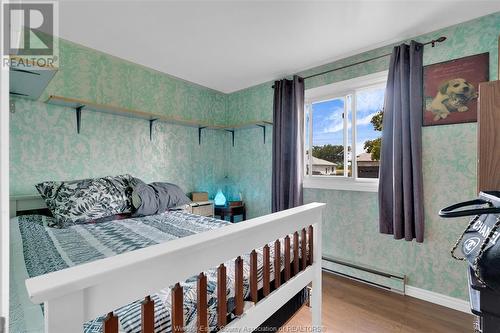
45 145
351 218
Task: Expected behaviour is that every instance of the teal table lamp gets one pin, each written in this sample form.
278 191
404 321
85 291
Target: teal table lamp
220 198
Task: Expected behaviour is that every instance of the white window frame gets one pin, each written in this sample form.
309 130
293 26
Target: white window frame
332 91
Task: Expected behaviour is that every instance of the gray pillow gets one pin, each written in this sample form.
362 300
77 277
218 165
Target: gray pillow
156 198
86 200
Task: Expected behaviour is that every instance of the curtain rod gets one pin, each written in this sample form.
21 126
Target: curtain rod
432 42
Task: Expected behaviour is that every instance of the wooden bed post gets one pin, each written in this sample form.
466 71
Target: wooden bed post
110 323
303 249
310 245
287 258
201 303
177 310
238 286
221 296
295 253
148 315
266 271
253 277
277 264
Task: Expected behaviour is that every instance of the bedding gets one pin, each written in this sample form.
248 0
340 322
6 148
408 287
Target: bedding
156 198
81 201
37 249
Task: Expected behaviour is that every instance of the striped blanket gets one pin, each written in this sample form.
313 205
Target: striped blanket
37 249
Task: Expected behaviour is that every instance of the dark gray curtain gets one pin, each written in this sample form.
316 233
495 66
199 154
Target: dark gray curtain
288 143
401 209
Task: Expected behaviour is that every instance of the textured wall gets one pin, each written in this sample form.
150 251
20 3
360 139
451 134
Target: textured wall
249 162
45 145
351 218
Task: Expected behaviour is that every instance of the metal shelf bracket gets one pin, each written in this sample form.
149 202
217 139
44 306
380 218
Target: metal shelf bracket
263 132
151 121
79 117
232 134
199 133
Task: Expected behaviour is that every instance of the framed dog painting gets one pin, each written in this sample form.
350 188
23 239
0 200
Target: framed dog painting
451 90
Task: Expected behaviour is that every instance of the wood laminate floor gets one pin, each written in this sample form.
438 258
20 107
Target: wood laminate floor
353 307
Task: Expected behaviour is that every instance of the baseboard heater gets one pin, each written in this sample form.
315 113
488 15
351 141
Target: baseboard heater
395 282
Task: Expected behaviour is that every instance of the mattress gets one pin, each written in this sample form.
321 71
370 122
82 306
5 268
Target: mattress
37 248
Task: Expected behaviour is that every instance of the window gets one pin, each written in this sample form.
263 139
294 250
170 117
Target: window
343 124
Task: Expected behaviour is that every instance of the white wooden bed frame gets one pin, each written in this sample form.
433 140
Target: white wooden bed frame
77 294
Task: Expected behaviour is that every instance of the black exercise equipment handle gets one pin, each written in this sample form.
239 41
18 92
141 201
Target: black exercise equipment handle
451 211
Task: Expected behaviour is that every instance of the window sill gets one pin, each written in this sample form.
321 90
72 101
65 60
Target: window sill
328 183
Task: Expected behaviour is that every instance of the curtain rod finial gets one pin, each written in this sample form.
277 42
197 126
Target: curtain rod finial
439 40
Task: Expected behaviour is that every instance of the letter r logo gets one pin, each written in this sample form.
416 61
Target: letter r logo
28 28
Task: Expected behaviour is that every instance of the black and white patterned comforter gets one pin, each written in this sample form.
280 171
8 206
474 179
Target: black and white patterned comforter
37 249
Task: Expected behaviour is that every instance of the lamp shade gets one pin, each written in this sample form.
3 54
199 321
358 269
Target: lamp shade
220 198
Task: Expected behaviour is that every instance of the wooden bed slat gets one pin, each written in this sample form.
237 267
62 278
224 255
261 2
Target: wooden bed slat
266 275
177 313
295 253
148 315
287 258
303 249
310 232
238 286
221 296
201 304
253 277
277 264
111 323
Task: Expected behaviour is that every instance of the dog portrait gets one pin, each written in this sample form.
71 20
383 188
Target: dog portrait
450 90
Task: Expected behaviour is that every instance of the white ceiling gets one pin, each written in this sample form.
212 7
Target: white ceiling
231 45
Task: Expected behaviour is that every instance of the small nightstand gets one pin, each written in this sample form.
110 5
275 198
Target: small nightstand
231 211
203 208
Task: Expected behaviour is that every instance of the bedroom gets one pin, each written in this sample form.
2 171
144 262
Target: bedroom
152 94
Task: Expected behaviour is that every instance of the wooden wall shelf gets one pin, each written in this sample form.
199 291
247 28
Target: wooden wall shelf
79 105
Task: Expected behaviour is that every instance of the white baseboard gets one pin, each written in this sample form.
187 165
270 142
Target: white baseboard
440 299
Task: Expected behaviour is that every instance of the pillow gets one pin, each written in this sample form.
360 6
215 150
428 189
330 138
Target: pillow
80 201
156 198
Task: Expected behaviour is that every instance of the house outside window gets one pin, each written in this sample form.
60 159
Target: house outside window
343 130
